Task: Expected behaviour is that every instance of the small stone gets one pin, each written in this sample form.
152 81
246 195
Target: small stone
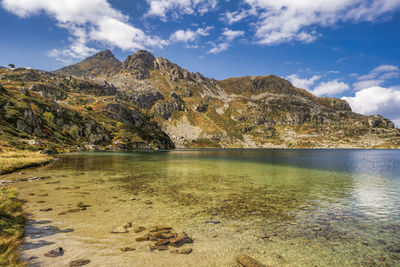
128 224
46 209
213 222
167 235
73 210
78 263
182 251
81 205
277 256
148 202
126 249
153 229
143 238
247 261
162 243
63 213
139 229
55 253
164 228
119 230
161 248
180 240
41 201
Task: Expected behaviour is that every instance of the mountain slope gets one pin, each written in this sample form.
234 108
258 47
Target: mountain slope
59 113
262 111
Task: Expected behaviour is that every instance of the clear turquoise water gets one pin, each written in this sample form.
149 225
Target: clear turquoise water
282 207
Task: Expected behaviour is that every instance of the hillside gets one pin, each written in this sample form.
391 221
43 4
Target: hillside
60 113
148 102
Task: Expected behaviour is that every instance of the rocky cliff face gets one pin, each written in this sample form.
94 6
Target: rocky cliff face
262 111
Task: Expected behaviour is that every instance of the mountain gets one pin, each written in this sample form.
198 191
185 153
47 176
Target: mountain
261 111
100 64
149 102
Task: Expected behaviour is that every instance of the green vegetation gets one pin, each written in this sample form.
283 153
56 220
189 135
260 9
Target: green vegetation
11 227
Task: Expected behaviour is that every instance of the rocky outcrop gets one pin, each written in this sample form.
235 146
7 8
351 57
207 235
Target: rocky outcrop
49 91
139 65
336 103
166 109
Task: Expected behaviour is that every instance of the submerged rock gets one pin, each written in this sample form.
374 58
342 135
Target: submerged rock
79 263
46 209
180 240
126 249
247 261
139 229
119 230
55 253
182 251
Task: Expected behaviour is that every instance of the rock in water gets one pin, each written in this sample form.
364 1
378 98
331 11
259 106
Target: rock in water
78 263
119 230
55 253
180 240
247 261
126 249
182 251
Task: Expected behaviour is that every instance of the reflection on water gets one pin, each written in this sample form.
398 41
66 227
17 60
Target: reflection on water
282 207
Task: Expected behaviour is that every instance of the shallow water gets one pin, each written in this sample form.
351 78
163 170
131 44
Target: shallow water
281 207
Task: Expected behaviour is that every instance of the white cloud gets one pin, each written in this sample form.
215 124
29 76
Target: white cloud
295 20
386 72
226 39
302 83
330 88
235 16
160 8
87 22
189 35
377 100
367 83
230 35
218 48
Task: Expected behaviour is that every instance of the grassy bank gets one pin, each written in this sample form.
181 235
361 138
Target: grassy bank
12 222
15 160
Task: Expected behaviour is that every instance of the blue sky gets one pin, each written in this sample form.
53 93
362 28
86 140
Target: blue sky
339 48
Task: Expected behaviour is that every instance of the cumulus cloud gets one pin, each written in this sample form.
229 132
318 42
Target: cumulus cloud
296 20
230 35
87 22
189 35
226 39
377 100
303 83
177 8
330 88
218 48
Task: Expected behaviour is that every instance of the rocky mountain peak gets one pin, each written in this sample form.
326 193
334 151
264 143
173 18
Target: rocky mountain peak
139 64
103 63
106 54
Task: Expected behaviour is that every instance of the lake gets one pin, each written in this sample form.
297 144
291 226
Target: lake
281 207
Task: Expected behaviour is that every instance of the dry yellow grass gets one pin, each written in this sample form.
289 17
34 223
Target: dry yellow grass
12 222
15 160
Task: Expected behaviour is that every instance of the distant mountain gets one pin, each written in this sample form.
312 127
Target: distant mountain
154 102
100 64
